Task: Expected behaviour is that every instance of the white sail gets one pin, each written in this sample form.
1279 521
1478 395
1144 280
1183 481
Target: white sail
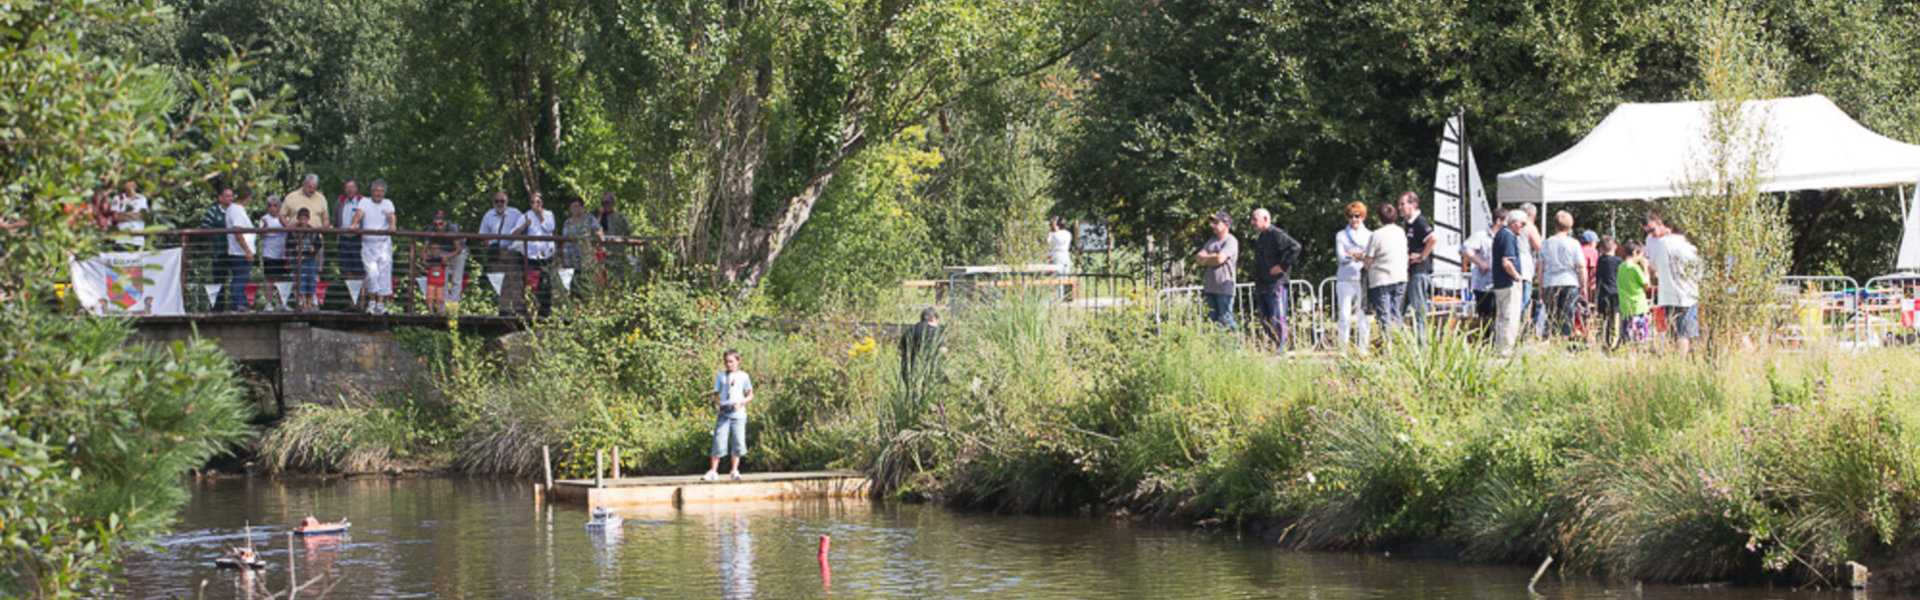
1457 213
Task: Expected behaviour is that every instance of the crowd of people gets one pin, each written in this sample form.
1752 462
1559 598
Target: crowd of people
365 257
1561 287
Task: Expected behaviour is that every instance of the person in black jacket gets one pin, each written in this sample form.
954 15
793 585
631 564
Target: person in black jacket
1274 253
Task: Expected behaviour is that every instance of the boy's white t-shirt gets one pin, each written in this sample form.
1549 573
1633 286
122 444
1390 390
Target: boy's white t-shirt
732 387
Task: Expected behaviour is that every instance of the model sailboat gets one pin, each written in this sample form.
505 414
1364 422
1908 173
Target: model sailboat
1459 206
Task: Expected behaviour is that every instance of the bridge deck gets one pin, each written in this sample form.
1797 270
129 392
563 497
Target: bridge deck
683 489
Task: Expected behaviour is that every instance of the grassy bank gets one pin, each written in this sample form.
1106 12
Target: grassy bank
1759 466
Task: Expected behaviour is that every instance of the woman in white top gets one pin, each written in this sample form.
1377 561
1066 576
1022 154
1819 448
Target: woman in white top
1350 246
1060 245
273 248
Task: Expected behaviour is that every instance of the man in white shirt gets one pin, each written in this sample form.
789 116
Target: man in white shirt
376 250
538 221
130 214
347 246
1477 251
235 265
504 258
1681 285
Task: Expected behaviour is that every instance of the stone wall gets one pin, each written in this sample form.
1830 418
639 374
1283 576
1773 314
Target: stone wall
324 365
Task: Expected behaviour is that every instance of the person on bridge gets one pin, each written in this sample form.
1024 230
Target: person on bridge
1274 253
307 197
503 257
376 250
438 257
538 221
347 248
273 250
732 391
304 247
236 264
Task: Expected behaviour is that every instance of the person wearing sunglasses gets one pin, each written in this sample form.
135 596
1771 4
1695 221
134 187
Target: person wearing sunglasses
1350 246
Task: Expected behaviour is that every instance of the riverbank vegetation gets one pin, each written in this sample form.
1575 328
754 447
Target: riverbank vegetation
1756 465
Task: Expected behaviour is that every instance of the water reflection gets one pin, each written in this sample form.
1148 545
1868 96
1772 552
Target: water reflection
446 538
735 534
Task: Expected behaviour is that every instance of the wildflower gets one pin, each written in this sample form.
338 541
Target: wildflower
1310 478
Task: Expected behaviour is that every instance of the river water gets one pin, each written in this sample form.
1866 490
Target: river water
459 538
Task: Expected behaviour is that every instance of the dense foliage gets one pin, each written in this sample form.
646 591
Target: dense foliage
94 433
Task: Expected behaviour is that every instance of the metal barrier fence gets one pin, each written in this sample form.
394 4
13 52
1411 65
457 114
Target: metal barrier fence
1885 312
1183 305
1815 308
1093 291
481 273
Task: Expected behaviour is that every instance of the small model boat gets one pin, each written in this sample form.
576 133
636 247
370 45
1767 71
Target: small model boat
313 526
603 519
240 558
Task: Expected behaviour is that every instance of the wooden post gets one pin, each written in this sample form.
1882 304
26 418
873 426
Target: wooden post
599 458
293 585
546 465
616 462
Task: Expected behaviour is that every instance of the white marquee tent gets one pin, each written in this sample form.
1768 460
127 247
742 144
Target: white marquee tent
1651 150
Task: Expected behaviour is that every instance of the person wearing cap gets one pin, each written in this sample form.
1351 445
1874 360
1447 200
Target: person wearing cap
437 256
1589 249
1219 256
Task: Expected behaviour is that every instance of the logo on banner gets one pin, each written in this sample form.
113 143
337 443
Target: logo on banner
126 286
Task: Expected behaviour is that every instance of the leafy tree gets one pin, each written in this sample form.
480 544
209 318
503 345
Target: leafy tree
96 431
771 100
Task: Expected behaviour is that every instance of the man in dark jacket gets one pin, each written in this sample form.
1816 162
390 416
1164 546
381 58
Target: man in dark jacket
1274 253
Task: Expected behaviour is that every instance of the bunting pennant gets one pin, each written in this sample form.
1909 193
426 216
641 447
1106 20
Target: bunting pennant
213 293
285 288
353 289
422 282
252 290
319 293
497 279
566 278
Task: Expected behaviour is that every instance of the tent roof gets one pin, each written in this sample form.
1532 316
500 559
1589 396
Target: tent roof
1645 151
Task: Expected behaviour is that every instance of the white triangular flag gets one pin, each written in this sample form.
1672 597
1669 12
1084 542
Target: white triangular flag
566 278
286 290
422 282
213 293
497 279
353 289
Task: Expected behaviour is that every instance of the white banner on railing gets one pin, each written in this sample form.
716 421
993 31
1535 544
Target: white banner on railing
130 283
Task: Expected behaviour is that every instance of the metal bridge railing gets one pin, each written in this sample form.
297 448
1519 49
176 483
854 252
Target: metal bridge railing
521 275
